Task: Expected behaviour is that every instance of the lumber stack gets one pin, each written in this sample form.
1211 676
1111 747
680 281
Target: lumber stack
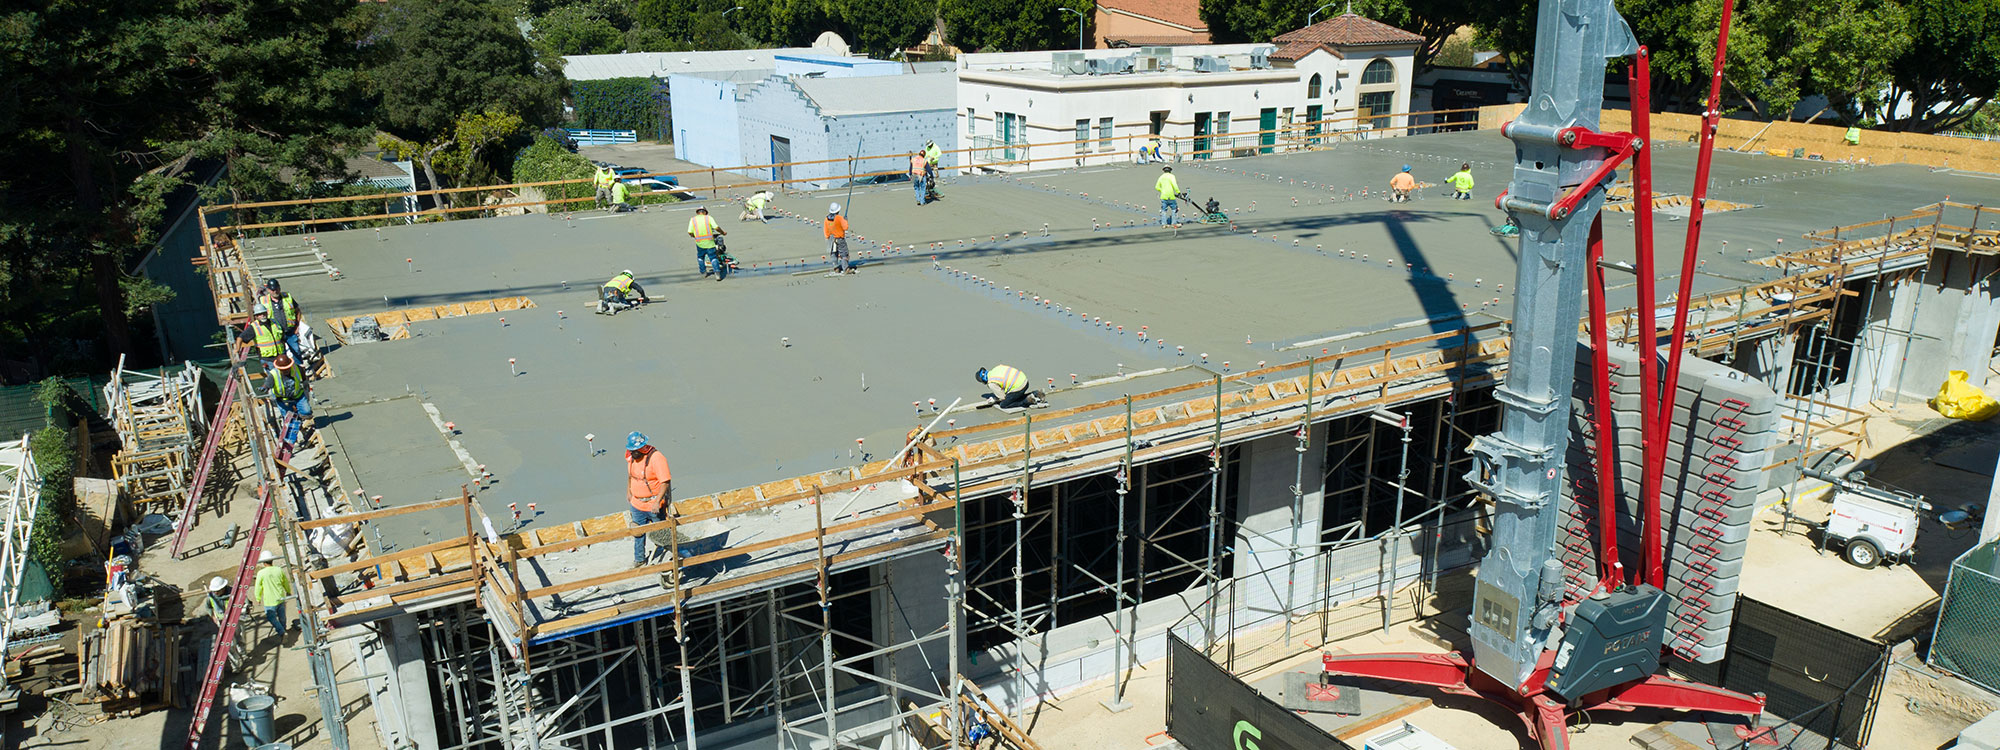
133 661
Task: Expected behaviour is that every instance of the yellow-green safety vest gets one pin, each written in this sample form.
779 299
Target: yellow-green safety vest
1006 378
622 282
703 228
269 340
1461 180
1168 186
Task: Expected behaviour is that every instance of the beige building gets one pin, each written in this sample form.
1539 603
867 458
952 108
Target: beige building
1149 23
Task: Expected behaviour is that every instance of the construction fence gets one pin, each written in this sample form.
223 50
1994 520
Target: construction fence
1822 680
1969 616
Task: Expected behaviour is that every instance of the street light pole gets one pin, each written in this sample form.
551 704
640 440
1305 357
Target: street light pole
1309 16
725 14
1079 25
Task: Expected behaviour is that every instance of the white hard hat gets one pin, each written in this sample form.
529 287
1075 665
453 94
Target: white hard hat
628 272
260 309
217 583
833 208
267 556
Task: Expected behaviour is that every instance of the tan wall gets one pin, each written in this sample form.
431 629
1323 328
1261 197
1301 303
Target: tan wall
1877 147
1121 26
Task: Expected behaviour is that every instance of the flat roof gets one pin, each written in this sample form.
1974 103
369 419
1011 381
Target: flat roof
777 371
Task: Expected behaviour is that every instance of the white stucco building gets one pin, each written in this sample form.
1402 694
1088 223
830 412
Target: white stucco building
1344 75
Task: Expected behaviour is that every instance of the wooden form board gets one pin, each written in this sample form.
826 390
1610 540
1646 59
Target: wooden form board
395 322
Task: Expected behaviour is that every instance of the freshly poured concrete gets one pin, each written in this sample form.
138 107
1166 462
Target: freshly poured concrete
705 373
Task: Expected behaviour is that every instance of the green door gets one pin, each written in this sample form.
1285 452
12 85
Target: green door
1313 115
1267 125
1201 129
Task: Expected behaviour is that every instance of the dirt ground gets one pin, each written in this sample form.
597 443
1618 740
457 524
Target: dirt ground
282 669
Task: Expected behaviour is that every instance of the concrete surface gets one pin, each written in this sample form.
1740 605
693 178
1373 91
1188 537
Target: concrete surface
704 371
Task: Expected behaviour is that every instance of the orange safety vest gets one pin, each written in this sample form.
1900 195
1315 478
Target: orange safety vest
647 480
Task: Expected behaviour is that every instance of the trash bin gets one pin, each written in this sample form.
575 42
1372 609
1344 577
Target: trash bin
256 718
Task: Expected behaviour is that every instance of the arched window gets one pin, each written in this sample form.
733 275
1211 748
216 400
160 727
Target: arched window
1379 71
1312 87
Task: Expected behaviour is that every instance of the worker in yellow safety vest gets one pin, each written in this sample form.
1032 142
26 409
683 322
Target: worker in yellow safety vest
263 334
603 179
1461 181
1169 188
621 292
620 195
1853 137
1009 386
705 232
754 207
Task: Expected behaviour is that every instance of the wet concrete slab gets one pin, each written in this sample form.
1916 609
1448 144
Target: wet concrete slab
708 372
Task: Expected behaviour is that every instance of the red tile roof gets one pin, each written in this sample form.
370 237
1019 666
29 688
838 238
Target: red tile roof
1189 38
1349 30
1186 13
1295 51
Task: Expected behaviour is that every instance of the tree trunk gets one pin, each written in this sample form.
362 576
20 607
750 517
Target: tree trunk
105 267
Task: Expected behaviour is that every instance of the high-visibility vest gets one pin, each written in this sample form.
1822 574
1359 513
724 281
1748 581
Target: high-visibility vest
703 228
291 384
1168 186
270 341
1461 180
618 192
1006 378
286 311
931 154
604 177
758 200
622 282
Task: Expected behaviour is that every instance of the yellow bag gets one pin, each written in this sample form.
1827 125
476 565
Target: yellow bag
1959 399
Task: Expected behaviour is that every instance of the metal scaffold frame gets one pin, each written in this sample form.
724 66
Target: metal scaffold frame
20 496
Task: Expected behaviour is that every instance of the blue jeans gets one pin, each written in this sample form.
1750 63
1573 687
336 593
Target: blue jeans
1170 211
641 518
704 259
918 181
301 408
276 616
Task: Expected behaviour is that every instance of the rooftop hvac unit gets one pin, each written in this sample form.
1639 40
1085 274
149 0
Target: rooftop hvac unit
1068 64
1210 64
1154 59
1110 65
1260 61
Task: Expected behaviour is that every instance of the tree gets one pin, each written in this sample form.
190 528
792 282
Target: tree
455 78
576 30
1950 70
1013 24
105 114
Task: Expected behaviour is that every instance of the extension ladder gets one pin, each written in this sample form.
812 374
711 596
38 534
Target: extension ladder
202 467
239 600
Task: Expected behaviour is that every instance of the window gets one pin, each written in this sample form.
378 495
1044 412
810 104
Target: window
1104 134
1375 105
971 124
1222 142
1379 71
1082 134
1312 87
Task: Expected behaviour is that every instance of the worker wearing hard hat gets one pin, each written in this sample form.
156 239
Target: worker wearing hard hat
1461 182
603 179
263 334
217 600
622 292
931 156
1009 386
835 228
704 230
649 485
1401 185
754 207
293 396
271 589
1169 188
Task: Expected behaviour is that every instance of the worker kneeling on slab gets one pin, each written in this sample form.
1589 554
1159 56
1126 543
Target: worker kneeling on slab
622 292
1009 386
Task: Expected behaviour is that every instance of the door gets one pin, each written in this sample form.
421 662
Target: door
1313 116
781 159
1267 129
1201 128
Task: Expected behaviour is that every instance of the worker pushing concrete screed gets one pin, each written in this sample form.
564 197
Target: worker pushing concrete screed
1169 188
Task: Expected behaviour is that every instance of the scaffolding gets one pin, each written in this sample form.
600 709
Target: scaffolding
159 421
20 498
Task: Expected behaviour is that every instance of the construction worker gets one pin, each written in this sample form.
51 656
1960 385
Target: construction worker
704 230
1853 137
622 292
648 486
293 396
1461 180
603 179
1170 192
918 169
217 600
621 196
836 240
285 313
1510 229
1151 151
264 336
754 207
933 157
1009 386
1401 185
271 589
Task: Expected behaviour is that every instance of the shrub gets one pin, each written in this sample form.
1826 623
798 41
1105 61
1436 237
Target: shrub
546 160
622 104
55 458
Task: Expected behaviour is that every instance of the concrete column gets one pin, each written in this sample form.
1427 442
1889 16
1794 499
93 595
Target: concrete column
403 702
1973 333
1264 505
912 608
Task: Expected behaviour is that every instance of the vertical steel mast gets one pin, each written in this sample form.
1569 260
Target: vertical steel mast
1519 591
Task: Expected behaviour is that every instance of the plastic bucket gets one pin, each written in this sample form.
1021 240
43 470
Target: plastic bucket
257 717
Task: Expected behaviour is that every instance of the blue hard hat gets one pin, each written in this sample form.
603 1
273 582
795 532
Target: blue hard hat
1406 167
635 441
980 375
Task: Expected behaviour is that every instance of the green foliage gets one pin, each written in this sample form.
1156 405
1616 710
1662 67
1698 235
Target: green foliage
444 59
142 293
1984 121
1457 52
576 30
622 104
1009 24
1951 69
55 395
546 160
55 459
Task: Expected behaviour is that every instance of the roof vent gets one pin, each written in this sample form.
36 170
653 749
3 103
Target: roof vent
1110 65
1068 64
1210 64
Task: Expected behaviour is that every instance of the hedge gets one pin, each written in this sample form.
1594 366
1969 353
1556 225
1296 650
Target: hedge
622 104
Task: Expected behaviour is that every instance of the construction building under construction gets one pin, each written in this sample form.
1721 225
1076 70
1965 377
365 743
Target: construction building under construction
1252 421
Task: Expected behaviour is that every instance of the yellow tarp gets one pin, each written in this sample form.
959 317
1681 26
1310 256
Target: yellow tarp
1959 399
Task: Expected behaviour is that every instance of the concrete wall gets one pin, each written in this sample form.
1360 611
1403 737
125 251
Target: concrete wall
703 120
778 108
1956 319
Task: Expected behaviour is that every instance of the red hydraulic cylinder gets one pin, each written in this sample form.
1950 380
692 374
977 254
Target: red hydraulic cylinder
1609 572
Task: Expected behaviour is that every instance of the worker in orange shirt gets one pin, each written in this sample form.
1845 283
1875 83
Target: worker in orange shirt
649 487
836 240
1401 185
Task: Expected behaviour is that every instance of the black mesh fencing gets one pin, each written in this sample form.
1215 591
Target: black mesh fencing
1209 709
1821 679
